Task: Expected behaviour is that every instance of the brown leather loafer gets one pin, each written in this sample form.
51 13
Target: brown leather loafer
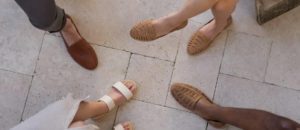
82 52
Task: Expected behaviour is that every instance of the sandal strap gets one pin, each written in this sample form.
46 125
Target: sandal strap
108 101
123 90
119 127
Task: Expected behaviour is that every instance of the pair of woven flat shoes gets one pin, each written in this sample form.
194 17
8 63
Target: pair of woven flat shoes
145 31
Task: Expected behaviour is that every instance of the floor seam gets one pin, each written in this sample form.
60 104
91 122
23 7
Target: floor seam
133 52
268 62
34 72
2 69
267 83
216 85
173 69
125 77
220 66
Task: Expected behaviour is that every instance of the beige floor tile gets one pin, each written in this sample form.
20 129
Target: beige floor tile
152 117
153 75
199 70
246 56
57 75
13 92
284 64
20 42
244 19
236 92
109 22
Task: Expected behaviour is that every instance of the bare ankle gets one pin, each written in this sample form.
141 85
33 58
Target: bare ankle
207 110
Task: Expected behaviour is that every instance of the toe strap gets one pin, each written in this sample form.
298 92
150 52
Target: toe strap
123 89
108 101
119 127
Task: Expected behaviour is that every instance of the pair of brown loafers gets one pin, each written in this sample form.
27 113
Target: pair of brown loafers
145 31
81 51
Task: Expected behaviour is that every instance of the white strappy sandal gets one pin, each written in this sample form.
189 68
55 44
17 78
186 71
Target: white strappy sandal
122 89
121 127
111 103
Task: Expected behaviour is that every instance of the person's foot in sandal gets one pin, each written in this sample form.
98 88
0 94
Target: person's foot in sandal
120 96
194 100
124 126
121 92
150 30
203 37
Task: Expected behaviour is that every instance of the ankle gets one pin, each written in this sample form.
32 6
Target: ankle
207 110
175 20
68 26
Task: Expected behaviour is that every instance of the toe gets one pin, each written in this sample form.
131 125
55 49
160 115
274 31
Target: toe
131 85
127 125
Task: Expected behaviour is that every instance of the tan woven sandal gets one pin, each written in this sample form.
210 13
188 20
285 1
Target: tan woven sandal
145 31
188 96
200 42
121 127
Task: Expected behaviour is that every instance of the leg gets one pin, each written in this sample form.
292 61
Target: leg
247 119
92 109
222 10
45 15
153 29
192 8
250 119
202 39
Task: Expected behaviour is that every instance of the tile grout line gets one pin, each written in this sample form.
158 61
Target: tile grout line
134 53
268 60
15 72
262 82
173 69
223 54
173 108
245 33
216 85
129 59
32 77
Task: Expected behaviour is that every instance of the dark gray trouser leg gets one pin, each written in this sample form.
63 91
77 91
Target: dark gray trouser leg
44 14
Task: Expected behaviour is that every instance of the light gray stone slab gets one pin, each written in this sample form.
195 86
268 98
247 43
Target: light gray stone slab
109 22
199 70
153 75
20 42
13 91
57 75
244 19
246 56
153 117
284 64
236 92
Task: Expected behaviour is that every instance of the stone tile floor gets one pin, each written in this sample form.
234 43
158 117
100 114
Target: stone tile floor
247 65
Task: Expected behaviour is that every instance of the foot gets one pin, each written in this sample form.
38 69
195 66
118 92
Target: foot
117 96
211 30
165 25
79 49
127 126
70 33
204 108
196 101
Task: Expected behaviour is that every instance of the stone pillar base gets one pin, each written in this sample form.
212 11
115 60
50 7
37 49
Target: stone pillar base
269 9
